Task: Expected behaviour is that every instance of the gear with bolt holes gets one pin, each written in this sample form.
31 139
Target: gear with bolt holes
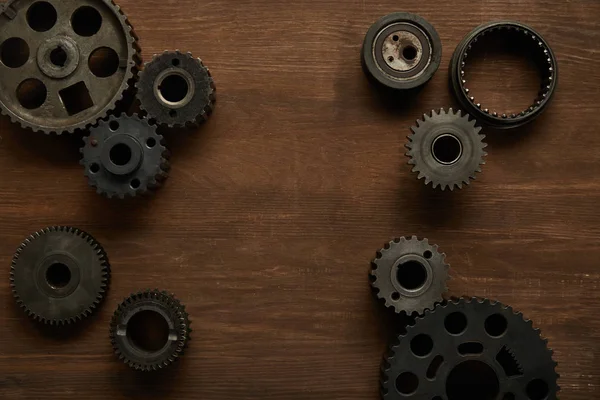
59 275
124 156
149 330
409 275
176 90
64 64
470 349
446 149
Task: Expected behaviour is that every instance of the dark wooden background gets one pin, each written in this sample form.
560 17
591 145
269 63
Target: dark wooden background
275 207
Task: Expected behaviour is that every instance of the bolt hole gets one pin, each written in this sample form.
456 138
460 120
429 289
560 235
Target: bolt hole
120 154
537 389
173 113
427 254
421 345
32 93
391 59
395 296
395 38
58 57
409 53
103 62
14 52
446 149
407 383
94 168
113 125
41 16
496 325
151 142
175 62
148 331
455 323
58 275
411 275
135 183
86 21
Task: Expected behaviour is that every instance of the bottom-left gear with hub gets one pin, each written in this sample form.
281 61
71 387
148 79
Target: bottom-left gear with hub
59 275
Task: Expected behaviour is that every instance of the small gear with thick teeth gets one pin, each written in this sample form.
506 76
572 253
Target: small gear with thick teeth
409 275
125 156
446 149
176 90
470 349
59 275
149 330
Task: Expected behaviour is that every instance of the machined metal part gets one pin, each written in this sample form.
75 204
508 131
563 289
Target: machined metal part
537 48
401 51
176 90
409 275
149 330
59 275
64 64
124 156
470 349
446 149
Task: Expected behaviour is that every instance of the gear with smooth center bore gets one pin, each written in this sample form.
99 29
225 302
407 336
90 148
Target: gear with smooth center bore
59 275
149 330
176 90
124 156
409 275
446 149
470 349
64 64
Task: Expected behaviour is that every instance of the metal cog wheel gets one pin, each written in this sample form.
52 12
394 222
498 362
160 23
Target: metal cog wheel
470 349
176 90
149 330
446 149
409 275
64 64
59 275
124 156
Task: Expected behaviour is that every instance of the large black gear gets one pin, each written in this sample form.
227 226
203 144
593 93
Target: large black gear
124 156
64 64
409 275
149 330
176 90
446 149
59 275
470 349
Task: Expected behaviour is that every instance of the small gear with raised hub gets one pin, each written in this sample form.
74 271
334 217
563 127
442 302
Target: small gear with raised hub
470 349
59 275
409 275
125 156
149 330
176 90
446 149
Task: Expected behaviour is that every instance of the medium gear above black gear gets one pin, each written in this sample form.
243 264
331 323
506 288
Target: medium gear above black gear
64 64
409 275
470 349
124 156
59 275
446 149
176 90
149 330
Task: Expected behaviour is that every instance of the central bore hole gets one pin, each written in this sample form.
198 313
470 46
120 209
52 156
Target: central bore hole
58 275
446 149
472 380
409 53
58 57
173 88
120 154
411 275
148 330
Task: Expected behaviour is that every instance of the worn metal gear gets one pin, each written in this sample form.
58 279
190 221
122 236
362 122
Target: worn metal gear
124 156
446 149
59 275
176 90
409 275
470 349
64 64
401 51
518 35
149 330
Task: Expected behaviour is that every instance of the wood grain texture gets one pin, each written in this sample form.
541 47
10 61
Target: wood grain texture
273 210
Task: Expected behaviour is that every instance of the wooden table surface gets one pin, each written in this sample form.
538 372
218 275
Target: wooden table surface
275 207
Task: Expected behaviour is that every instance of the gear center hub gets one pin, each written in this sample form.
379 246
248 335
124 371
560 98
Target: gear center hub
402 50
58 275
174 88
447 149
58 57
472 380
122 154
411 275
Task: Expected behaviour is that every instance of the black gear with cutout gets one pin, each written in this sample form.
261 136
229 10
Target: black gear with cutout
165 310
124 156
409 275
59 275
470 349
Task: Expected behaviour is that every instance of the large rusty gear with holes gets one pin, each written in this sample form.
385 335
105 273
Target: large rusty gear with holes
446 149
139 316
59 275
63 64
176 90
124 156
470 349
409 275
